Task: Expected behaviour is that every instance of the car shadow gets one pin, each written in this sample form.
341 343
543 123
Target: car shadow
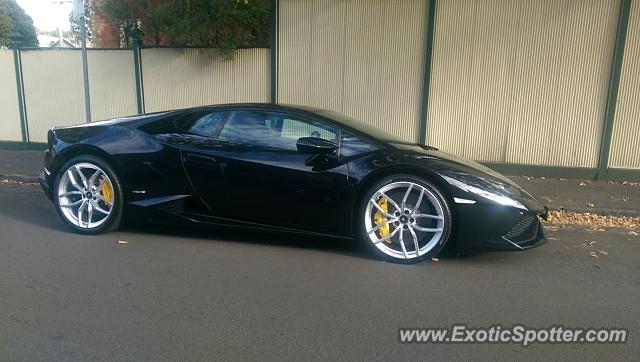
26 203
336 246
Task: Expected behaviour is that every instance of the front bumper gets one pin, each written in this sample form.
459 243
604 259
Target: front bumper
45 185
485 226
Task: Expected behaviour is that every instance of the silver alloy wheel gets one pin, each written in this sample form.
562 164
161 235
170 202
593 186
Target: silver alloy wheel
85 195
412 223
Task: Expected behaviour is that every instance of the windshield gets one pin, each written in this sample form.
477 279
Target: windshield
363 127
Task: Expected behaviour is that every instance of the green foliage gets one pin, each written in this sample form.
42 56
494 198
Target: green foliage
5 24
20 23
76 24
126 14
225 24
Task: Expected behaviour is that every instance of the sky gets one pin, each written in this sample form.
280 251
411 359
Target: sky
48 14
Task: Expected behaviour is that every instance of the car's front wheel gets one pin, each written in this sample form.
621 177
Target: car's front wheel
404 219
88 195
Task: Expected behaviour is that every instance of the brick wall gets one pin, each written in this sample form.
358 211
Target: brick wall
105 33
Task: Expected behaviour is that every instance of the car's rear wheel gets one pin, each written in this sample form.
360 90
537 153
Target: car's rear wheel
88 195
404 219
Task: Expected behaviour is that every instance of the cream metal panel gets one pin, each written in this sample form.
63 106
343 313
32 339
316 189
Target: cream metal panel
181 78
112 84
625 143
521 81
53 89
10 121
363 58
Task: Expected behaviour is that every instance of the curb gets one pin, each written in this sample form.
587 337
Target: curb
20 178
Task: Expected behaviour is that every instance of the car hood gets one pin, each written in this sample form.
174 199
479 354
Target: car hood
470 173
464 165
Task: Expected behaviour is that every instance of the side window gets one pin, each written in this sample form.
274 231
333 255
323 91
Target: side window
295 129
247 127
352 145
273 130
206 125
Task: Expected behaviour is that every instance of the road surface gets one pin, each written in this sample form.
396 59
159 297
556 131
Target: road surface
188 294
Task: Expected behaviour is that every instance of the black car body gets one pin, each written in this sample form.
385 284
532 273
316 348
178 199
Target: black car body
174 169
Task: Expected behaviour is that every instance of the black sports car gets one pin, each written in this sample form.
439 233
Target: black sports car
284 168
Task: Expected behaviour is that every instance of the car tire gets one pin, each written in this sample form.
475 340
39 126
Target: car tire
72 186
425 220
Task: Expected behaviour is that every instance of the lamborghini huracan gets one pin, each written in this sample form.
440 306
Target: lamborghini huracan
284 168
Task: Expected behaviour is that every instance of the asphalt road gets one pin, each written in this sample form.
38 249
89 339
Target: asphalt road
193 295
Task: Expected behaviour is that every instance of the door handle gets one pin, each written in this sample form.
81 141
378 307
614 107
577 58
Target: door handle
202 160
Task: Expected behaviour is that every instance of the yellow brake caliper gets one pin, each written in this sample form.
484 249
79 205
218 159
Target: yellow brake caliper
106 191
380 219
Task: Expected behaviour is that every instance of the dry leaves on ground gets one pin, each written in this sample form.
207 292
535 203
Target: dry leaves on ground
626 183
595 222
13 182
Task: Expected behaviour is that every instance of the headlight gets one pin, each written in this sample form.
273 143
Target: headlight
493 196
507 189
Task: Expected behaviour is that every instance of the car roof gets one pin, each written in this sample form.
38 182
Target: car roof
353 126
268 106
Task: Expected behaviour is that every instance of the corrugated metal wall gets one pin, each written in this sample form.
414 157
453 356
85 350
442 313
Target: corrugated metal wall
112 83
625 143
53 90
522 81
180 78
10 119
363 58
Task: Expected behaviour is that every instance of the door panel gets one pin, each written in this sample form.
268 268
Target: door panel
258 175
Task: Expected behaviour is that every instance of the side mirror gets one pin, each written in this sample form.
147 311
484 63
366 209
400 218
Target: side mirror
315 146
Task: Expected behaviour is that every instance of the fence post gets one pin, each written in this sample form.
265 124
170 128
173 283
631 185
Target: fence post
136 37
274 51
426 77
614 86
85 70
17 61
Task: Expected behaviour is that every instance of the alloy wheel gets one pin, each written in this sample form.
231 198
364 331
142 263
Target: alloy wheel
404 220
85 195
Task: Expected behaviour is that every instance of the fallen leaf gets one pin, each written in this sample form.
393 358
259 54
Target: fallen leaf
602 252
122 242
594 222
596 266
593 254
626 198
563 179
590 204
592 242
435 259
633 233
582 183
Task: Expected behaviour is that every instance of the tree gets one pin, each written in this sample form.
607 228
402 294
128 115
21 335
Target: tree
21 23
126 14
5 24
225 24
76 24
